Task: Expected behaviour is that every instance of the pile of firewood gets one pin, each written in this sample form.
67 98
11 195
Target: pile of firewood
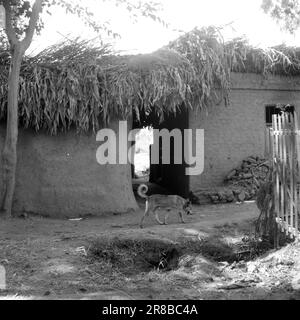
249 176
240 184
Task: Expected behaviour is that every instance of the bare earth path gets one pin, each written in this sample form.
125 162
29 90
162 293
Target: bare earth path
46 259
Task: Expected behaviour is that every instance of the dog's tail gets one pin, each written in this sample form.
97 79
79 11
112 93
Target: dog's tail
142 190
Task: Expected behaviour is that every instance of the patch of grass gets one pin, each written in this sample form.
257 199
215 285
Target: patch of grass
131 256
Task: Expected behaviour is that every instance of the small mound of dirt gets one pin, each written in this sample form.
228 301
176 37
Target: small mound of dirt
133 255
219 248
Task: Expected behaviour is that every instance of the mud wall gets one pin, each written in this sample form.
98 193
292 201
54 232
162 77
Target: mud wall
237 131
58 176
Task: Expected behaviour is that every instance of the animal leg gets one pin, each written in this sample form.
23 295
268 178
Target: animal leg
166 218
181 217
145 214
157 218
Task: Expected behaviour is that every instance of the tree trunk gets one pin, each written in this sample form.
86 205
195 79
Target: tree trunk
9 156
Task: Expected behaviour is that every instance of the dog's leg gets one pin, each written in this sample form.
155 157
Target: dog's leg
156 216
166 218
147 210
181 217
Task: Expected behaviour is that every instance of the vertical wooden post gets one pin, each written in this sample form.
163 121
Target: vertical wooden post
284 162
291 168
275 168
297 171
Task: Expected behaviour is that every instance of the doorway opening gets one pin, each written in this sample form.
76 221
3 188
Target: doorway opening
161 178
143 142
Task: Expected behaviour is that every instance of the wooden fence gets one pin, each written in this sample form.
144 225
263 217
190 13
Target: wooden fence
283 147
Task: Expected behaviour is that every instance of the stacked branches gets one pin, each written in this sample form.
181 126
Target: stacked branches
241 184
248 177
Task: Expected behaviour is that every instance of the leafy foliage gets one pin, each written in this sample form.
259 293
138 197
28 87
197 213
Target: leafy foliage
285 12
21 11
77 84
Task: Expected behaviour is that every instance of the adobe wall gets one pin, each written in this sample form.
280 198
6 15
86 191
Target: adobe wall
58 176
235 132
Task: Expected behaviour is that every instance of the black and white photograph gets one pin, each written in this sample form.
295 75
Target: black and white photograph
149 151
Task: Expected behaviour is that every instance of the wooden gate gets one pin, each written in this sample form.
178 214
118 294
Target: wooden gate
284 150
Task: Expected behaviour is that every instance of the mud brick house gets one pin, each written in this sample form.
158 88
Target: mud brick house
232 132
237 131
69 92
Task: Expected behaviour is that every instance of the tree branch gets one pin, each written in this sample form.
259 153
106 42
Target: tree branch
34 17
10 32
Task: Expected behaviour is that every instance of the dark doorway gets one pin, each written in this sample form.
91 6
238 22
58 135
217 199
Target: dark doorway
172 176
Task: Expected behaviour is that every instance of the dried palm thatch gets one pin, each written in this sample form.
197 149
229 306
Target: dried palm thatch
80 85
76 84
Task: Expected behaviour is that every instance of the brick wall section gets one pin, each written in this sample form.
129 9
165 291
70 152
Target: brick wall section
235 132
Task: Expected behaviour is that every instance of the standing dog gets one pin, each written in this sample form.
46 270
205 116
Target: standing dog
165 202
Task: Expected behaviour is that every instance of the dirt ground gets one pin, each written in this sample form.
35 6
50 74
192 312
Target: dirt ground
51 259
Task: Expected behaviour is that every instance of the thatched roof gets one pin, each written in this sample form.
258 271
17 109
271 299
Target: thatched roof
76 84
